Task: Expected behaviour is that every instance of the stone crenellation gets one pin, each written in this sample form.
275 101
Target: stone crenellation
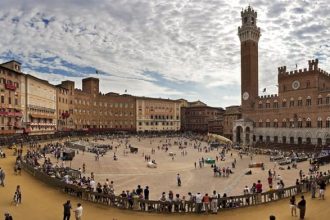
268 96
312 66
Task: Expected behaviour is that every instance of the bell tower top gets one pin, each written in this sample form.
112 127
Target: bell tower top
249 29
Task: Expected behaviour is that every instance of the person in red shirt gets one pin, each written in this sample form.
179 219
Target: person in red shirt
270 181
259 187
259 190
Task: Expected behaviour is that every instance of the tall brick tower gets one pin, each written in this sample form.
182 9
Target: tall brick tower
249 35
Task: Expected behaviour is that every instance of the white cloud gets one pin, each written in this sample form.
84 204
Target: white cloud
190 41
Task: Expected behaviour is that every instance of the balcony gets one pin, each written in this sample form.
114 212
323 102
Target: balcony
10 86
14 114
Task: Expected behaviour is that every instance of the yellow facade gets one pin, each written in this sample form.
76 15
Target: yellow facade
157 114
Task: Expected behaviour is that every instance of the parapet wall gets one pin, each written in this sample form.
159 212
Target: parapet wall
312 66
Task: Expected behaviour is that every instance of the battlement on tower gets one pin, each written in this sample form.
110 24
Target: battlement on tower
248 12
312 66
266 97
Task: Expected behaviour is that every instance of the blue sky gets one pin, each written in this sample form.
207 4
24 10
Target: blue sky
159 48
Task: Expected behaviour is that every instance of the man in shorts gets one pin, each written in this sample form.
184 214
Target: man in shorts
322 189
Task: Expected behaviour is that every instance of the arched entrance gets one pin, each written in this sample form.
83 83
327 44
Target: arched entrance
308 140
239 133
299 140
327 140
247 135
284 140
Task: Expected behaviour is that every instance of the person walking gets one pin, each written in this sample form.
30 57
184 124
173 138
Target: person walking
302 207
322 186
18 193
67 210
178 178
78 212
2 177
8 216
293 206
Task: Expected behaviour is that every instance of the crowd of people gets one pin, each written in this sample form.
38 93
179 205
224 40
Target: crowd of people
171 201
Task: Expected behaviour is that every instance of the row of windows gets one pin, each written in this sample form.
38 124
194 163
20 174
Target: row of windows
292 123
105 104
4 72
110 126
292 103
156 123
87 122
111 113
2 100
202 113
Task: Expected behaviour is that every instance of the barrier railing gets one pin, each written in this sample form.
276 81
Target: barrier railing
167 207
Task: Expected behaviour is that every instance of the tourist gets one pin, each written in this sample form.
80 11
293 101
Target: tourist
313 188
18 194
322 186
8 216
2 177
199 203
293 206
206 203
67 210
177 202
78 212
139 190
178 179
214 202
146 193
84 168
302 207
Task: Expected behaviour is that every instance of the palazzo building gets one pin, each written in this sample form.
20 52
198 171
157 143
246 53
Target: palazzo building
11 111
40 106
298 114
202 119
156 114
88 109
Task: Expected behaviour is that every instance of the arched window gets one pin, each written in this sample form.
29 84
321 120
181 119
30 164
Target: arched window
308 123
299 103
308 101
319 100
291 123
260 104
275 104
327 99
299 123
275 123
291 102
267 104
260 123
284 103
284 123
327 123
319 122
267 123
